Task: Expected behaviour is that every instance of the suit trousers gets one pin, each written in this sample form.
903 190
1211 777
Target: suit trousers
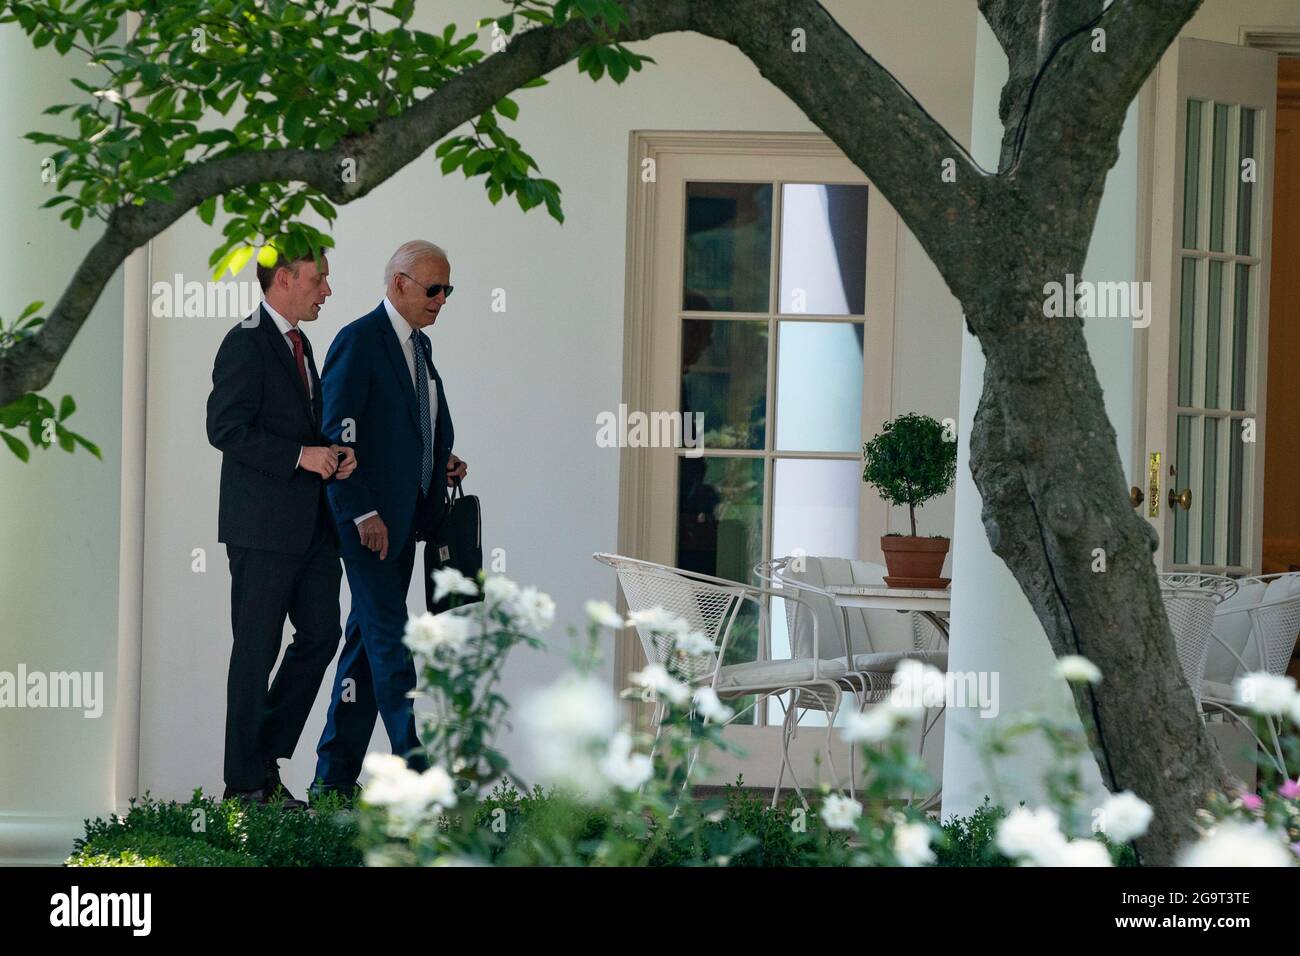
375 671
264 724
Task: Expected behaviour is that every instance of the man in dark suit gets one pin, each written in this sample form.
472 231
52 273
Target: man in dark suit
264 415
384 398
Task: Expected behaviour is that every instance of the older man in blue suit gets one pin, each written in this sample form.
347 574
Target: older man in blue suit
384 398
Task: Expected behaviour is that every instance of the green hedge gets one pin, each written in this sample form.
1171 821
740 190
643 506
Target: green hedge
207 832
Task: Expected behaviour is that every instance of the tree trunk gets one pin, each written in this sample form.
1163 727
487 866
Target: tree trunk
1046 463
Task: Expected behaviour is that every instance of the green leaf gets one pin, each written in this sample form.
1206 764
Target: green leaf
32 309
208 210
508 108
66 407
16 446
88 445
162 193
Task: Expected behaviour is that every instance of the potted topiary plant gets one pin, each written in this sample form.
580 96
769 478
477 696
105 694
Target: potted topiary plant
910 462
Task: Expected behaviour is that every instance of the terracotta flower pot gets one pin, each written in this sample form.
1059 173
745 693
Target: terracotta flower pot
914 562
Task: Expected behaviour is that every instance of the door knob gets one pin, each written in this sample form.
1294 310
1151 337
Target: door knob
1135 496
1183 498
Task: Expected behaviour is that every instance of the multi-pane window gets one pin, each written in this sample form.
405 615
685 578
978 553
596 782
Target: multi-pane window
1215 400
772 315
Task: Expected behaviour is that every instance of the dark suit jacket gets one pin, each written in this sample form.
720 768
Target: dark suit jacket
367 384
259 417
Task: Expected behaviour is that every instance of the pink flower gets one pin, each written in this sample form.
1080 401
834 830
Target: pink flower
1251 801
1290 789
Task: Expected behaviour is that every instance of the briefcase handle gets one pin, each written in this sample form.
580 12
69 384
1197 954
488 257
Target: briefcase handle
454 492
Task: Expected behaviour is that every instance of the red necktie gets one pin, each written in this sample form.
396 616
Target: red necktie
296 338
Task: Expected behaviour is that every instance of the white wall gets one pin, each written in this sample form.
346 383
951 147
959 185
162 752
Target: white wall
59 523
524 386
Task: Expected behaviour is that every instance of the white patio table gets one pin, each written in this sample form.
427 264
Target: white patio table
934 604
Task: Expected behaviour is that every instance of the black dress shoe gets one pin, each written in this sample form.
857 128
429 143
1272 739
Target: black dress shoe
319 791
275 790
245 796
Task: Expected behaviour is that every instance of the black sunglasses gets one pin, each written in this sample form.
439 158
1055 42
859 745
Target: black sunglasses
432 290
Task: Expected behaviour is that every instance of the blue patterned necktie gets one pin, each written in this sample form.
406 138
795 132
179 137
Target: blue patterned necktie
422 410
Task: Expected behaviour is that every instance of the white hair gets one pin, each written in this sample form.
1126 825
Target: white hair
408 254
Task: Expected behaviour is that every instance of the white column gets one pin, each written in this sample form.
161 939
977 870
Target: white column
59 526
993 626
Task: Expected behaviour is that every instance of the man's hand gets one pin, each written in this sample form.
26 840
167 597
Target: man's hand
456 469
374 535
349 463
319 459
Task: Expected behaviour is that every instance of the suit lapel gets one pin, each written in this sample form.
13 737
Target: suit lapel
397 358
317 404
443 435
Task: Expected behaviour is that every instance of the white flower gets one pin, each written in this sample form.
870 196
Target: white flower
657 678
709 706
1077 670
658 621
536 609
406 796
450 581
1237 844
917 685
840 813
912 844
603 613
1266 693
694 643
1081 853
429 633
1123 816
623 768
501 591
1035 834
568 726
873 725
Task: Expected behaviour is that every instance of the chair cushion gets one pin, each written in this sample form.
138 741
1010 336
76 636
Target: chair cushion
768 675
888 661
1217 690
1234 630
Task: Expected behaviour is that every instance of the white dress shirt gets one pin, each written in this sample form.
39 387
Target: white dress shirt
285 328
402 329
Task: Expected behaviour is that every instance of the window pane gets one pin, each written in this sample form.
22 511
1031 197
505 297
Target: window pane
720 516
1236 489
1246 190
1177 482
819 386
1209 488
1213 334
728 247
1192 176
1240 336
724 377
1218 176
823 249
1187 333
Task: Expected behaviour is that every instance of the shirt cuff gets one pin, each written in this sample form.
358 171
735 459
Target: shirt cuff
360 518
301 449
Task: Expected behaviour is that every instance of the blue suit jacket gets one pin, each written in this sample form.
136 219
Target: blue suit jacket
366 380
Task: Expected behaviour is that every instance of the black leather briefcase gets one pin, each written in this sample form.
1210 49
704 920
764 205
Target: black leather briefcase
457 542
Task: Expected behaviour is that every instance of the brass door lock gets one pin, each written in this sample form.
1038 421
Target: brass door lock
1183 498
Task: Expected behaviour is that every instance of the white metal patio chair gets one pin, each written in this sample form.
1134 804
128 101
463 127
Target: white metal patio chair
1254 630
1190 600
711 605
878 640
